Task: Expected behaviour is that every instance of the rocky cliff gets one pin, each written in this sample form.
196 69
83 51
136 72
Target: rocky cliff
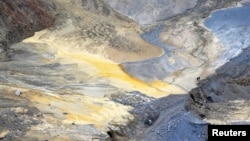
221 96
224 96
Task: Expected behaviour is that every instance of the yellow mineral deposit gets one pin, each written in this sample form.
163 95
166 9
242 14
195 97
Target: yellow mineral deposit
83 109
98 66
79 109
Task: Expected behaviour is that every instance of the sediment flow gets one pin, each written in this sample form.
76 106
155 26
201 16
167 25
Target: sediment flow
91 73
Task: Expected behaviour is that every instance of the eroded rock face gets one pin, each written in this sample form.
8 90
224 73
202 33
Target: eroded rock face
216 97
20 19
109 35
162 119
145 12
224 96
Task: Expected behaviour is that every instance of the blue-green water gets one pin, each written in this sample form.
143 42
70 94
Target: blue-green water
232 27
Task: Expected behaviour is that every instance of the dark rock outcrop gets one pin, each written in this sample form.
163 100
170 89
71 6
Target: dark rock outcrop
224 96
214 95
20 19
161 120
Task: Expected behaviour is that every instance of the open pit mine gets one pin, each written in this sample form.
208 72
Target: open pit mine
122 70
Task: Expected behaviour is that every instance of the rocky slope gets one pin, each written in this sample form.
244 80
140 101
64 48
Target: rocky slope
65 76
219 99
224 96
190 49
94 74
20 19
146 12
107 35
221 96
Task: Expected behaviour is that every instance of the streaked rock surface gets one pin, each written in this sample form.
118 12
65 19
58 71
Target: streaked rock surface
66 73
95 74
190 49
146 12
